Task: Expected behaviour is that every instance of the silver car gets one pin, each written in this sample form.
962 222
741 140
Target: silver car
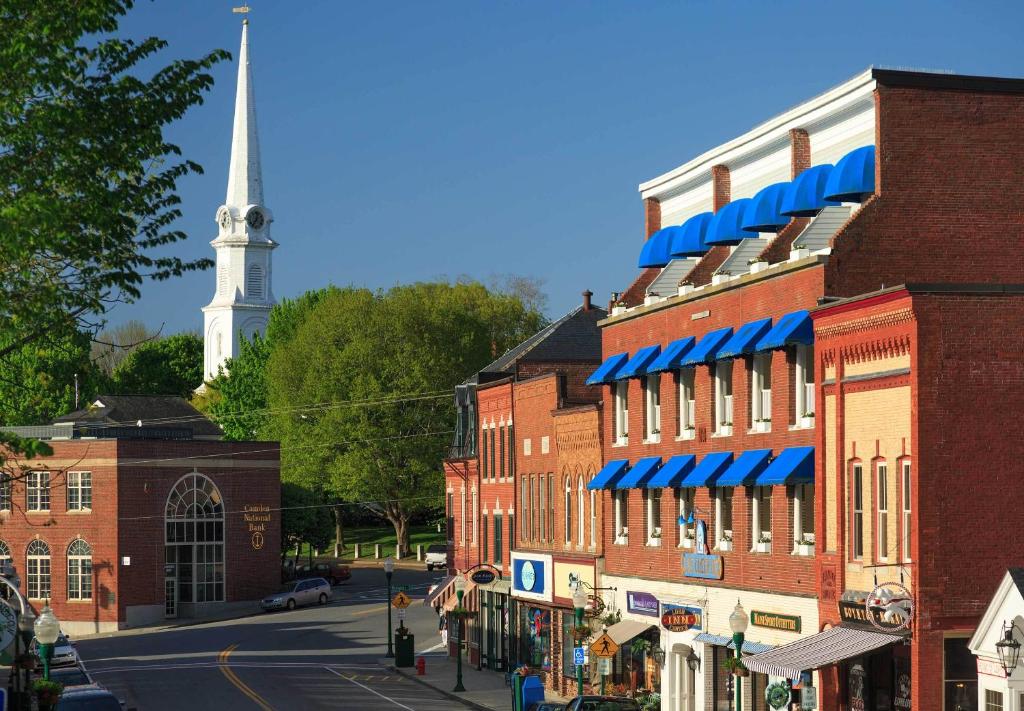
312 591
64 653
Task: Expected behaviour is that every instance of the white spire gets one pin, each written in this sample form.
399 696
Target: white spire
245 179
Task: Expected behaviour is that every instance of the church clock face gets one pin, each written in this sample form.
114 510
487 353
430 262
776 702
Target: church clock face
255 219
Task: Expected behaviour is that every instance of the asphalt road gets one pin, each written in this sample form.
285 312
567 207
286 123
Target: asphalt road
320 657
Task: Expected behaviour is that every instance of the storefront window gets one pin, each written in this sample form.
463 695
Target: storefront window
993 700
568 642
634 667
535 637
961 676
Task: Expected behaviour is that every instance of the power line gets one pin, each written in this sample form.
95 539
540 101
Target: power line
286 508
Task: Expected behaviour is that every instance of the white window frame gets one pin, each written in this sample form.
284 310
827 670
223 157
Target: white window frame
462 536
622 516
800 493
652 501
906 506
79 570
581 512
882 511
723 536
37 491
652 407
79 491
687 405
857 524
723 398
804 384
761 392
593 518
760 496
476 514
5 493
568 511
38 573
621 412
687 497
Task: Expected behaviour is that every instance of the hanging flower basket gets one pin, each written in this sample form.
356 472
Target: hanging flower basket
581 632
47 693
735 667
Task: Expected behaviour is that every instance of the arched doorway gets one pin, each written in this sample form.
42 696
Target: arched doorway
682 680
193 544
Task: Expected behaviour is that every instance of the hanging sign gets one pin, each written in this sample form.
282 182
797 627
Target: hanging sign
482 576
702 564
8 624
890 607
777 695
679 618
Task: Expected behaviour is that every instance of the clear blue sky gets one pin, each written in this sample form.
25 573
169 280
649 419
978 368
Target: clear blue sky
411 140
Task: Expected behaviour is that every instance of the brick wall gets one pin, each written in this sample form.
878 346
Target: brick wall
575 374
578 445
494 404
534 402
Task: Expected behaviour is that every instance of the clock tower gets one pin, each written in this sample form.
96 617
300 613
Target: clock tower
243 298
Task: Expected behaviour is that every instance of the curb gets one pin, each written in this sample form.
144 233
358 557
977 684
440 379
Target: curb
447 694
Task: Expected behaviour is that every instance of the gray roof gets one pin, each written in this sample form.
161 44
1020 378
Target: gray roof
1017 575
150 410
574 337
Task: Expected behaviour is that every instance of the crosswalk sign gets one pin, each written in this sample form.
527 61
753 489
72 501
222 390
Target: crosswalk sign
401 600
604 646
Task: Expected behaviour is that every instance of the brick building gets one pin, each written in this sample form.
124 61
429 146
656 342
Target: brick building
129 523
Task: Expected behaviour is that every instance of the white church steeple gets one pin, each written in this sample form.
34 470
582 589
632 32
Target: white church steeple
242 298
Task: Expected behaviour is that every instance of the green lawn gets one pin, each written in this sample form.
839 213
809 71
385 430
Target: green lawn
385 536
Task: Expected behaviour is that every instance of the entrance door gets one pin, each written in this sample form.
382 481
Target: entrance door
501 636
170 597
683 681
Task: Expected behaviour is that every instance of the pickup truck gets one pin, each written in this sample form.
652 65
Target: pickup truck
437 556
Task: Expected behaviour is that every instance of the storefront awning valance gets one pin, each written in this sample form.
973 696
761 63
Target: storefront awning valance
745 340
710 467
688 238
637 365
726 227
672 355
607 371
745 470
444 587
764 214
817 651
609 475
638 475
795 465
721 641
674 471
706 349
853 178
626 630
806 194
793 328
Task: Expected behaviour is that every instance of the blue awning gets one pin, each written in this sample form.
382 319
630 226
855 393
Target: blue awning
655 252
636 478
672 474
806 194
853 178
722 641
706 349
746 468
637 365
726 227
710 467
607 371
745 339
688 240
795 465
795 327
672 355
609 475
764 214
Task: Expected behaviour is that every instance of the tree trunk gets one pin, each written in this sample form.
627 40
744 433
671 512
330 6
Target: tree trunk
400 521
339 533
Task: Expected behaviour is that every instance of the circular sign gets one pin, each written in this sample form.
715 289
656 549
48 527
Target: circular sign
8 624
257 541
482 577
678 620
777 695
527 575
890 607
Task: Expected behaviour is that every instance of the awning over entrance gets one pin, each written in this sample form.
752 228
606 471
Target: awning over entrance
749 646
626 630
445 586
817 651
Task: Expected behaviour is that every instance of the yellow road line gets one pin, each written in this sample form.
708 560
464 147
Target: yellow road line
369 612
230 675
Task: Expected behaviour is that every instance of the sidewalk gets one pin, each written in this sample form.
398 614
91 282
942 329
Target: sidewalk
485 689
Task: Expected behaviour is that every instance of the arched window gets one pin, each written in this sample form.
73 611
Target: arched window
581 506
5 554
593 517
568 510
79 570
254 282
38 570
194 537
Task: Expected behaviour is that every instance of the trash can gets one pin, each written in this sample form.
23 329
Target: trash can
404 648
533 692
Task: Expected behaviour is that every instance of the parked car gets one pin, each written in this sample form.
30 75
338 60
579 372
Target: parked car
602 703
64 653
302 592
71 676
89 698
548 706
437 556
334 573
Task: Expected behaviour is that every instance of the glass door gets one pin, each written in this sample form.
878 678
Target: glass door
170 597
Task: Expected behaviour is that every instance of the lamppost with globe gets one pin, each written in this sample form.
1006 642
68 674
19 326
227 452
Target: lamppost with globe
459 615
579 602
47 630
389 569
738 624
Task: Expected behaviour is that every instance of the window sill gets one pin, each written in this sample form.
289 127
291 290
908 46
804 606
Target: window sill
622 541
37 511
724 546
802 426
620 443
687 543
757 431
724 432
687 435
762 548
654 542
653 439
78 512
804 551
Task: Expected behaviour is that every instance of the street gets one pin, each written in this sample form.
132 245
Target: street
310 658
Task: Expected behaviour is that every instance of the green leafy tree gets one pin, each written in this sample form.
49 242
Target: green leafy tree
361 394
168 366
37 382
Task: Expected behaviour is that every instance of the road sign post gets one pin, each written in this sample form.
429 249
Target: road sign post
604 648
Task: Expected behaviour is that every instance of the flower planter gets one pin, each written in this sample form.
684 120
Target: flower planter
800 253
724 430
807 421
742 671
756 267
806 549
763 547
687 543
763 426
724 545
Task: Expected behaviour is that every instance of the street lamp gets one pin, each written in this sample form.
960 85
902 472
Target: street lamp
389 568
47 629
460 590
579 601
1008 649
738 624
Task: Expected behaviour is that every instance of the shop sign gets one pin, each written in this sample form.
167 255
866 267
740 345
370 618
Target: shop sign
890 607
990 668
256 517
641 603
856 613
700 565
901 695
8 624
531 577
808 698
679 618
569 576
774 621
482 576
857 683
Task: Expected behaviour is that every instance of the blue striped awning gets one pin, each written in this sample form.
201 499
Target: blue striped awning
853 178
764 214
793 328
607 371
745 339
745 469
710 467
672 355
688 240
723 641
795 465
726 227
609 475
636 478
655 252
706 349
806 194
672 474
637 365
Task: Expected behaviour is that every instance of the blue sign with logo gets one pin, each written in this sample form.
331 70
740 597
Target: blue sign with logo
528 576
579 656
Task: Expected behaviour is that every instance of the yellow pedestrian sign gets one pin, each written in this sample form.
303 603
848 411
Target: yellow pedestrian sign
604 647
401 601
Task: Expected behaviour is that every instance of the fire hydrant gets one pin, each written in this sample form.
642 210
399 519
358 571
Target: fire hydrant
421 666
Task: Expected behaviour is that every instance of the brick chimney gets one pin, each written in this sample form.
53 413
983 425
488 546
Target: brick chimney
652 217
800 146
720 186
587 293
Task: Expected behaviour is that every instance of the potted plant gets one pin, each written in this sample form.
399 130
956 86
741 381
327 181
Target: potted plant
47 693
689 432
639 647
581 632
807 420
735 666
612 618
648 700
757 265
725 428
799 251
688 536
763 424
764 543
805 546
725 543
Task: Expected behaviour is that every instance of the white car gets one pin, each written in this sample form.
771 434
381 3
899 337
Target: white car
302 592
437 556
64 653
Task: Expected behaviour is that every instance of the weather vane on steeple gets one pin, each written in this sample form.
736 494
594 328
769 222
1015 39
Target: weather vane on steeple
243 10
